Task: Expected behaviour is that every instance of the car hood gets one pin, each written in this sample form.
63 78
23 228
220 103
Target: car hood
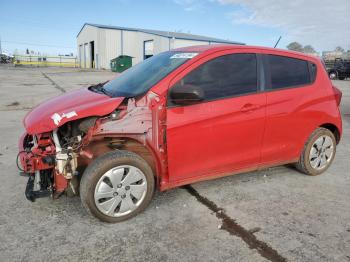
74 105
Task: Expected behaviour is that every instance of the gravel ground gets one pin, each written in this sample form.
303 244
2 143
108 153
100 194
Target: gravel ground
276 214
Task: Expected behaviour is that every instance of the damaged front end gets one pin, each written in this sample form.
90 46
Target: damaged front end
55 160
50 160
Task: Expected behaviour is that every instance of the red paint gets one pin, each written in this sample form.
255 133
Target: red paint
34 160
60 182
206 140
83 101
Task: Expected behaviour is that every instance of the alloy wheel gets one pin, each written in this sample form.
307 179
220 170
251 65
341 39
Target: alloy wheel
120 190
321 152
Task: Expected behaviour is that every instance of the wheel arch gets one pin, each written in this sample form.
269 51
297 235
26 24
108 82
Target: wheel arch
334 129
138 146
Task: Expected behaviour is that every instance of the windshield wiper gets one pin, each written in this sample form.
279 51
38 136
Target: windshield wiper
104 91
98 88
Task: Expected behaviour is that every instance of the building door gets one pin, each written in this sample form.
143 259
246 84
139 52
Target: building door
148 49
86 51
81 55
92 54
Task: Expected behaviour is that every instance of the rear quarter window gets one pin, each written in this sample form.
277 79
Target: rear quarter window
289 72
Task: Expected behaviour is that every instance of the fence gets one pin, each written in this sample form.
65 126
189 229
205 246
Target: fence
46 61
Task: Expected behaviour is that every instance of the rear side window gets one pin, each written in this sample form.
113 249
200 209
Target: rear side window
225 76
288 72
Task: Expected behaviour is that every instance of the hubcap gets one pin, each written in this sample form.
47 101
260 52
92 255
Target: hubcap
120 190
321 152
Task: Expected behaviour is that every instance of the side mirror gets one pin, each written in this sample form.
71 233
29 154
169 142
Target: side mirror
186 94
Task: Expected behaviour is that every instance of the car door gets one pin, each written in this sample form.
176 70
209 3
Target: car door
223 132
290 96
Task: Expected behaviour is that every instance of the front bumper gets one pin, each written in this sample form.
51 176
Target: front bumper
34 158
36 162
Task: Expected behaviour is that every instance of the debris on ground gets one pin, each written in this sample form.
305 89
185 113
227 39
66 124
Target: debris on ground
16 103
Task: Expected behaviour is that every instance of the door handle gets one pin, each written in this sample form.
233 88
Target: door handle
249 108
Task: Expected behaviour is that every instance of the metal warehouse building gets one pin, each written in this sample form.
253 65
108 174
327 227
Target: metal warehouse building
98 44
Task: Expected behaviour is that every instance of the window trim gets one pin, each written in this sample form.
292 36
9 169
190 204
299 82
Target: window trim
267 69
259 81
312 77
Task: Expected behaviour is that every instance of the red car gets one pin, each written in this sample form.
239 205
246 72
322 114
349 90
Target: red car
182 116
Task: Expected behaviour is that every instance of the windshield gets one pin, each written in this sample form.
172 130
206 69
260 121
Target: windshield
140 78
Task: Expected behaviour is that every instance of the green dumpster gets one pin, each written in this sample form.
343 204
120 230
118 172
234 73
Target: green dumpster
121 63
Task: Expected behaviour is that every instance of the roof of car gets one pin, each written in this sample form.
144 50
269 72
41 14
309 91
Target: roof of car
221 47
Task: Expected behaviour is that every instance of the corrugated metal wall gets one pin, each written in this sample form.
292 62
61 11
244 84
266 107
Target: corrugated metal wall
111 43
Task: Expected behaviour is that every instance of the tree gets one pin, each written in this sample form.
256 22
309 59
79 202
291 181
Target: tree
295 46
309 49
339 49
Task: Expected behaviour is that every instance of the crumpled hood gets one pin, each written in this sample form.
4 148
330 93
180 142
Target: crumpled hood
74 105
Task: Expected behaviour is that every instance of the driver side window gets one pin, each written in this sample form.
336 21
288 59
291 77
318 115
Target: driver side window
225 76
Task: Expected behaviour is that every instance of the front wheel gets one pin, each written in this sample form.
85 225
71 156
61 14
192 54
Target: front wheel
318 152
117 186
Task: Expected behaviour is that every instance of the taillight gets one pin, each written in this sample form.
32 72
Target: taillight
338 94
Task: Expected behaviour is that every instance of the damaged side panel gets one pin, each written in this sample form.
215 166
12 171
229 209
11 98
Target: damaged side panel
140 128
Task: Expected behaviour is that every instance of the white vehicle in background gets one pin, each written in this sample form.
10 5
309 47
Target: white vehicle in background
6 58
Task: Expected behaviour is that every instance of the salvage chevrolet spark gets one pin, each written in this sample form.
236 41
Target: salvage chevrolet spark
182 116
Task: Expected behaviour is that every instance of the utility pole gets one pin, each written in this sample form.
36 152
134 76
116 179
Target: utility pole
0 46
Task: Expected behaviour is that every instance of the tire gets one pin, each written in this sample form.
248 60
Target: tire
341 77
320 145
333 75
115 181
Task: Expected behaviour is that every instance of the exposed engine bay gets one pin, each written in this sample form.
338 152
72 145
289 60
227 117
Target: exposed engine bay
53 158
55 161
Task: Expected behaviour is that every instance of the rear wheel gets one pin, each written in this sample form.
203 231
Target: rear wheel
341 77
117 186
318 152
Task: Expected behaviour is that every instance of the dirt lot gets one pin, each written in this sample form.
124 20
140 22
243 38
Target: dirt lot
276 214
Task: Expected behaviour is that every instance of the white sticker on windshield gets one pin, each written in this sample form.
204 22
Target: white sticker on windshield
183 55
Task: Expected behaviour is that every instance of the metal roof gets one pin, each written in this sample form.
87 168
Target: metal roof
167 34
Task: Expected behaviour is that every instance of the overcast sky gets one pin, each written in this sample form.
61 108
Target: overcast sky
52 26
321 23
324 24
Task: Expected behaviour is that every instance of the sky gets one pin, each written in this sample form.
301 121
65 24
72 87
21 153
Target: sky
51 26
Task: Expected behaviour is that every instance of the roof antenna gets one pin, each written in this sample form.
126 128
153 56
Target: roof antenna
277 41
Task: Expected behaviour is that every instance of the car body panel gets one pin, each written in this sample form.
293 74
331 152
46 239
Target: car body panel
214 137
74 105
